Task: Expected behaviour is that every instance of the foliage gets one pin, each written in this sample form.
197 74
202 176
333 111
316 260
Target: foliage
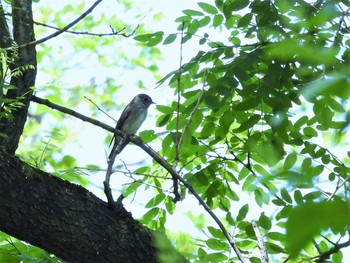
263 121
254 106
8 105
13 250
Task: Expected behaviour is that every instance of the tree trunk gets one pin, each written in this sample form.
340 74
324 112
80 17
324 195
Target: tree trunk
66 219
23 32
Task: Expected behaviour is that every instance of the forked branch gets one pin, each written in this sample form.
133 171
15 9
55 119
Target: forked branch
152 153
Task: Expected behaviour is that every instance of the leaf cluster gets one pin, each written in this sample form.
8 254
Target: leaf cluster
254 106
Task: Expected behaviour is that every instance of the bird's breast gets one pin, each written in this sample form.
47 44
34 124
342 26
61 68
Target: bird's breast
134 122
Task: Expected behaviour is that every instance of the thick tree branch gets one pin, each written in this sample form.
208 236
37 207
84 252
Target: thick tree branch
152 153
66 219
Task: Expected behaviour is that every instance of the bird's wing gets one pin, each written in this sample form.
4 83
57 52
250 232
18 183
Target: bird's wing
120 122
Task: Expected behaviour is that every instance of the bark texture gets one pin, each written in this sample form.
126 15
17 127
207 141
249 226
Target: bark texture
66 219
5 36
23 32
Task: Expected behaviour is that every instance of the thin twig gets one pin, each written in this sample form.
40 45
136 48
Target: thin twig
155 156
113 33
110 162
101 110
177 154
339 185
64 29
340 24
263 250
191 115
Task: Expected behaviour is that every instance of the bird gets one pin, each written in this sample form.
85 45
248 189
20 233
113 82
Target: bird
131 119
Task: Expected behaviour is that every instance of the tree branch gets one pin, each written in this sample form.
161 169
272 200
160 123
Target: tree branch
333 250
64 29
152 153
263 250
66 219
177 143
113 33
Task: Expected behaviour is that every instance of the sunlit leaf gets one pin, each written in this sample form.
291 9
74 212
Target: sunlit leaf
300 234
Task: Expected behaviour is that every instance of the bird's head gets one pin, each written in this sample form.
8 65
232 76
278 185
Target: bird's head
144 100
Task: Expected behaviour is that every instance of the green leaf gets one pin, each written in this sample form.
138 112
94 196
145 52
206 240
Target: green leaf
274 248
163 120
254 119
247 104
170 205
298 197
190 12
217 233
204 21
169 39
143 170
227 119
245 20
302 121
324 215
150 215
216 257
286 196
155 39
310 132
242 213
212 102
164 109
234 5
264 221
337 257
207 130
216 244
262 171
261 196
156 200
193 27
243 173
150 39
290 161
147 135
248 184
208 8
142 38
276 236
217 21
337 85
335 105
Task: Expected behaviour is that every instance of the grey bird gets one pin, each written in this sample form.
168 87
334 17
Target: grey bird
131 119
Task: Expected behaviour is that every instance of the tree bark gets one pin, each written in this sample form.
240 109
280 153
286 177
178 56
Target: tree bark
5 36
67 220
23 32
